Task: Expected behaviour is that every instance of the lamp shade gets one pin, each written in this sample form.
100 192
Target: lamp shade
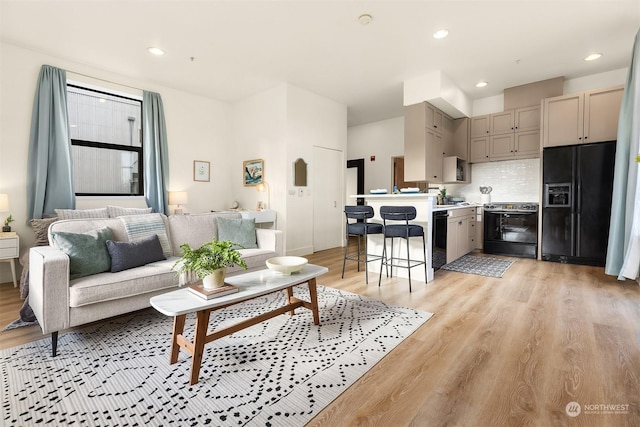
178 198
4 203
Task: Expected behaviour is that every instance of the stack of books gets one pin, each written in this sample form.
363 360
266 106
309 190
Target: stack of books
199 290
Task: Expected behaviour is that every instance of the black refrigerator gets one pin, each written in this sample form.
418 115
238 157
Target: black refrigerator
576 208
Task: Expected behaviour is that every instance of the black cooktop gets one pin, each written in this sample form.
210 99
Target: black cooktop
511 207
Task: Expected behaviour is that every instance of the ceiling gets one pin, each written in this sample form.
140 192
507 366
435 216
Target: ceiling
229 50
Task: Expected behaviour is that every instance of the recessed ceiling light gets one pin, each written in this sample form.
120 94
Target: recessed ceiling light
365 19
481 84
593 56
156 51
440 34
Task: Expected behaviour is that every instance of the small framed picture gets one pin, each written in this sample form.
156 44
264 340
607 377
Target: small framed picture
260 205
201 170
253 172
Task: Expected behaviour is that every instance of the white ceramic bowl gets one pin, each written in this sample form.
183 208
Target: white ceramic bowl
286 264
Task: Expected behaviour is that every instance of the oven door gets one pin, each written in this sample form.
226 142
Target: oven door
511 233
517 227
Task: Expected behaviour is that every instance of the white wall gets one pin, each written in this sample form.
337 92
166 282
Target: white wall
198 128
384 140
279 126
312 121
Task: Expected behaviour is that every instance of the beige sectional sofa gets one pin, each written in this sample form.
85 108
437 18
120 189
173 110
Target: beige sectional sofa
60 303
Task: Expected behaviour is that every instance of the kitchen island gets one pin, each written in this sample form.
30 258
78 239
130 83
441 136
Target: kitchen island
424 204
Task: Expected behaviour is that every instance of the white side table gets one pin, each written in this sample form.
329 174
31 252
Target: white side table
267 216
9 251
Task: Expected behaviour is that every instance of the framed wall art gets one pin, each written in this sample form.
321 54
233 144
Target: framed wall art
253 172
201 170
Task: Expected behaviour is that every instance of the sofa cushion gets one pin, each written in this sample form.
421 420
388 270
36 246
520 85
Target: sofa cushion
141 226
83 225
82 213
240 231
123 284
126 255
87 252
195 229
115 211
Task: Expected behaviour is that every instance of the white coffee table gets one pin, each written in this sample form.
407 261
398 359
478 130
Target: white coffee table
181 302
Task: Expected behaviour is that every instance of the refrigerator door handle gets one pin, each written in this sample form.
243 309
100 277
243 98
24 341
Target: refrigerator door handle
573 235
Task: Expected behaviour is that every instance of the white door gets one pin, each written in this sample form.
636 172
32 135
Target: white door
328 198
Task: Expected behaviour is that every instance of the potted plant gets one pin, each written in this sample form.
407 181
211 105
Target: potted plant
8 220
210 261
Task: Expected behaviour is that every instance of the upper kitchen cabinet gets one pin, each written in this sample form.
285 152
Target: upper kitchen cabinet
527 119
513 134
456 138
480 126
434 118
423 144
582 118
501 123
479 150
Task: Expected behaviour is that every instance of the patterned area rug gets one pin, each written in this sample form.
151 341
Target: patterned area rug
279 372
480 265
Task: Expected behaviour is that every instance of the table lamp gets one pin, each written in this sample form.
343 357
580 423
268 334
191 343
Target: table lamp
263 187
178 198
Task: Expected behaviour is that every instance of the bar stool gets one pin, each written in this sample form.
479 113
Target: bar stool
357 225
396 223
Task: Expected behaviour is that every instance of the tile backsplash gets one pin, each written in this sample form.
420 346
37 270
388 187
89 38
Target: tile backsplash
511 180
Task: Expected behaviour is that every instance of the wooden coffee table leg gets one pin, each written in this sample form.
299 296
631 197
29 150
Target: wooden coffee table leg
289 299
199 339
178 328
313 294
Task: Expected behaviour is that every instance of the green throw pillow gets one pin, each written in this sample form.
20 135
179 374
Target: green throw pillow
88 253
240 231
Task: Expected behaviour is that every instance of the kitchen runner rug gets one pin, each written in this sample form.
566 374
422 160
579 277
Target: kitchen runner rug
280 372
482 266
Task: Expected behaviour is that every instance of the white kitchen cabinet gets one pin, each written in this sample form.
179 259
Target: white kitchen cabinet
582 118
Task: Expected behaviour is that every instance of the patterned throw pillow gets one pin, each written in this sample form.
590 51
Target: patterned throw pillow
141 226
240 231
87 252
115 211
82 213
126 255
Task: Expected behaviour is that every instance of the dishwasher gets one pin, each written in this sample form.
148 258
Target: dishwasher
439 239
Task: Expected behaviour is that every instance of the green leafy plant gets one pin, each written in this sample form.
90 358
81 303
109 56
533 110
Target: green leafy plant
209 257
8 220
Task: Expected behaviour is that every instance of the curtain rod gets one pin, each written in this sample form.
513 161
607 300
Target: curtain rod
105 80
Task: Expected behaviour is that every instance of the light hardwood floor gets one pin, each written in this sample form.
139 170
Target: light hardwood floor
512 351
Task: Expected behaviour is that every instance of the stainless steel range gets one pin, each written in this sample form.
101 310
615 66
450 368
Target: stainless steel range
511 229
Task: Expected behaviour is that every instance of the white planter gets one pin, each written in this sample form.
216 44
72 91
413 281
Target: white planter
215 279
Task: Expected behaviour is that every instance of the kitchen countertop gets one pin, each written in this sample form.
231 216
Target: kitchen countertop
456 206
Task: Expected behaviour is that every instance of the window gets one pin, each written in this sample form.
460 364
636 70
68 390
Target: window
106 142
